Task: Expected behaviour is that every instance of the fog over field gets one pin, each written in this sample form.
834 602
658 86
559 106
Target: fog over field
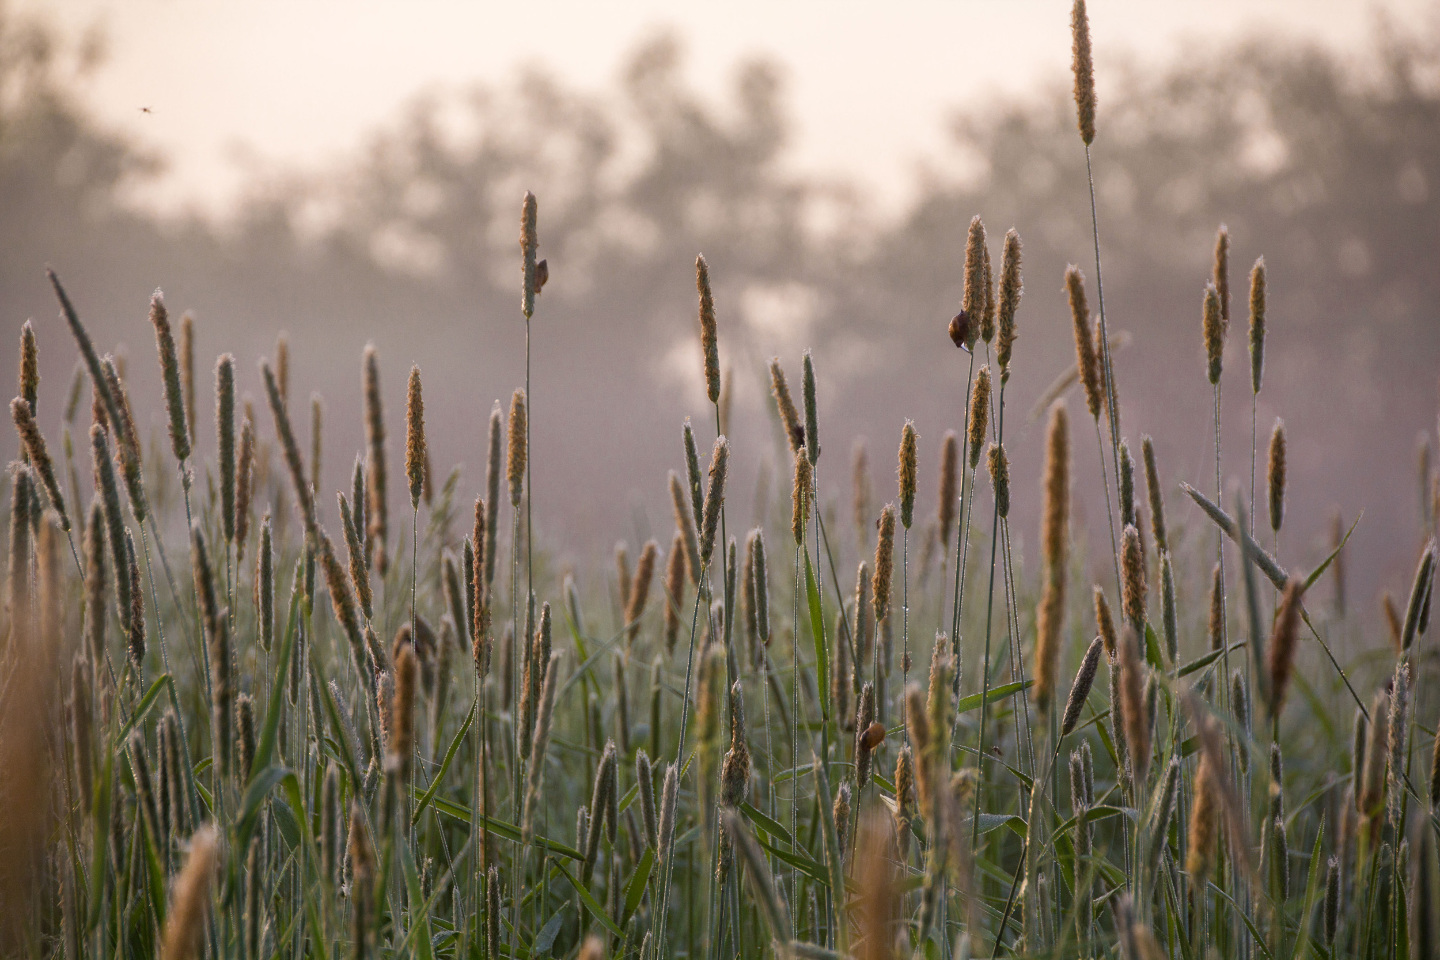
1326 163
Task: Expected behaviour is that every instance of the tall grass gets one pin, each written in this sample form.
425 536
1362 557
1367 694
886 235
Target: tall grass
276 777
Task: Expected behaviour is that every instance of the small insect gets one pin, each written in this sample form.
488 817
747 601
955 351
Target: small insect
542 274
146 110
960 330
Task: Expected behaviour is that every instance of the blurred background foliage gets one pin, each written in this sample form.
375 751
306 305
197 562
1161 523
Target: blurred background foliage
1330 172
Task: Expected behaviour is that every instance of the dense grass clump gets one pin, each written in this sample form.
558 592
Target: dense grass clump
240 743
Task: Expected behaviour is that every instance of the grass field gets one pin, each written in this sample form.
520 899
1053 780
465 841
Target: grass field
378 722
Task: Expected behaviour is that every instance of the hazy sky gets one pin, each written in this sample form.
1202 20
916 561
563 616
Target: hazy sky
235 86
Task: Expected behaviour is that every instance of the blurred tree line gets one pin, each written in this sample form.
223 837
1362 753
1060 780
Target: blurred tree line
1328 172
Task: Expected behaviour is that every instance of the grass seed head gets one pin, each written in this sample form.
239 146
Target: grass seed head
800 498
1275 475
190 899
1011 289
1220 275
812 432
529 242
884 563
1080 689
908 471
170 373
34 443
998 465
1083 66
416 450
377 509
947 499
973 303
225 440
1213 331
709 339
518 450
1132 567
1217 608
1087 360
1157 497
789 416
685 529
1257 324
979 418
714 498
1281 650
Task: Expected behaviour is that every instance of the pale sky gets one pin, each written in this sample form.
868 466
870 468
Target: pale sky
298 83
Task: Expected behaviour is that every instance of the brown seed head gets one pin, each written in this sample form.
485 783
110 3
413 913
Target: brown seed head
518 449
639 591
674 589
974 302
1275 474
987 319
1055 524
1132 693
884 563
1104 622
949 483
714 497
1377 755
735 770
187 369
685 527
860 490
304 495
979 418
1157 497
1087 360
1221 273
29 366
1257 324
709 340
1055 545
377 510
225 437
1132 567
1281 649
866 739
998 466
1213 329
789 416
528 244
1083 67
415 448
317 436
34 444
1080 689
170 373
244 482
800 497
1399 734
1217 608
1011 289
907 472
1204 824
190 900
402 711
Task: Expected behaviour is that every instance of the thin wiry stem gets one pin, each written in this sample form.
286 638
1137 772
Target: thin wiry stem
961 533
1112 415
1109 505
669 852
